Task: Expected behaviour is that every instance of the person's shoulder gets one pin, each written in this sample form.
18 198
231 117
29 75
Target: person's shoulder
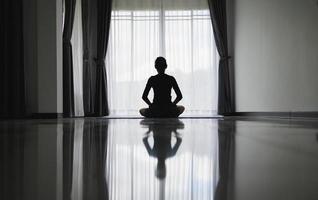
171 78
168 76
151 79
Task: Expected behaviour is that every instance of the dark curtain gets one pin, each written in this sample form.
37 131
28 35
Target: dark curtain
12 85
226 134
88 7
103 25
95 154
68 84
219 23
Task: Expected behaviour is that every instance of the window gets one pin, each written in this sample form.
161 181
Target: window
184 37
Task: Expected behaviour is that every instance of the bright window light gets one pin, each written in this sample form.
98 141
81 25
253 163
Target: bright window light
184 37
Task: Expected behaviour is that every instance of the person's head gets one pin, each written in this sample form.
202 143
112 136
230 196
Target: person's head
161 65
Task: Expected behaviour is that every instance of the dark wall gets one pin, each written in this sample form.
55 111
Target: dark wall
12 87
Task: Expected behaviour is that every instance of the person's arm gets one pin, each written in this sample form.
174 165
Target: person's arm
146 143
146 92
176 146
177 91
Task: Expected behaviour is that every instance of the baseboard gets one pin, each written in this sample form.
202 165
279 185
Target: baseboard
313 114
46 115
2 117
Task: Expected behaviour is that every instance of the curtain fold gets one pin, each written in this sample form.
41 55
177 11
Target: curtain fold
12 85
77 50
104 8
219 23
68 80
87 71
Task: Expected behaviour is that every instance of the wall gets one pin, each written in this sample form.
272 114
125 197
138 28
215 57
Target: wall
43 56
274 45
30 54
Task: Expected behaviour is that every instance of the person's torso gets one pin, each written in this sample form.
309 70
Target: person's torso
162 147
162 84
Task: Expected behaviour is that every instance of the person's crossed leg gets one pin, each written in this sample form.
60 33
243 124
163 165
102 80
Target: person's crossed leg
149 113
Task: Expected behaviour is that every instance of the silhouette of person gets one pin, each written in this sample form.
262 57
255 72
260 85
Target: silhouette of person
162 85
162 147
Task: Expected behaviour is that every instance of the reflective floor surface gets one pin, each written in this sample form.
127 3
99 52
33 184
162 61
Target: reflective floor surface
166 159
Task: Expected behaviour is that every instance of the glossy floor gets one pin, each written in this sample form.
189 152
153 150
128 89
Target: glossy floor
135 159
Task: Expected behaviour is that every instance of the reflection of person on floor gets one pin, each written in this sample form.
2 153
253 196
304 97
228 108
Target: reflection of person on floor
162 147
161 85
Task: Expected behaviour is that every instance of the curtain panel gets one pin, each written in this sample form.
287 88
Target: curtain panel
155 5
89 16
77 51
96 22
104 8
87 97
12 85
219 23
68 80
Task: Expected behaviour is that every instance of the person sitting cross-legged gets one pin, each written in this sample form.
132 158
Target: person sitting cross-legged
162 84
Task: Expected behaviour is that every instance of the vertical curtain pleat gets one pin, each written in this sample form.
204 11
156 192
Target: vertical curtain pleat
103 25
87 92
68 85
12 85
96 25
219 23
77 50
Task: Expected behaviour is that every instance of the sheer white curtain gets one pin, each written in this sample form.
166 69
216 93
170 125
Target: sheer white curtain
77 48
192 173
179 30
